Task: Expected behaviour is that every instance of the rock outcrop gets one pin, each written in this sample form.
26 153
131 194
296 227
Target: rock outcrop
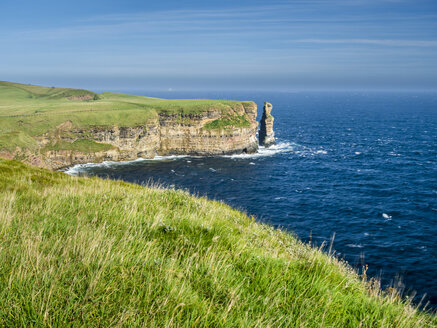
168 134
266 133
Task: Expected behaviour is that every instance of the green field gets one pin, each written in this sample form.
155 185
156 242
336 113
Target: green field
27 111
87 252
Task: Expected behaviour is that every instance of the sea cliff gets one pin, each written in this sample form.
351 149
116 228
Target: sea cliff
72 128
170 134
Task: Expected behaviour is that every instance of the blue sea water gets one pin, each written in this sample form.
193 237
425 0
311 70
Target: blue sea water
362 166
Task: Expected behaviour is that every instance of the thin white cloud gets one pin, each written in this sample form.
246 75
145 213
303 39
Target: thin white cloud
281 19
379 42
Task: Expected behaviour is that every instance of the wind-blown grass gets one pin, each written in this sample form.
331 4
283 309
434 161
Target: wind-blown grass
99 253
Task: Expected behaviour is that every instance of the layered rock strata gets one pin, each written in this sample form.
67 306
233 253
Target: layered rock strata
266 134
168 134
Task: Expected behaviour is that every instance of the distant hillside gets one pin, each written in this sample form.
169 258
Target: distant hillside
34 91
87 252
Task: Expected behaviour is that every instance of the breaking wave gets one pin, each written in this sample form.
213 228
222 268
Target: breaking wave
279 148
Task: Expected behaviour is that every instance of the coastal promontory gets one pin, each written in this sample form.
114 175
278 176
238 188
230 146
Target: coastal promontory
59 127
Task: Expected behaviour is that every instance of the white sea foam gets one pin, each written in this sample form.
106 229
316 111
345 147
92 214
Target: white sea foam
304 151
280 147
355 245
168 158
76 169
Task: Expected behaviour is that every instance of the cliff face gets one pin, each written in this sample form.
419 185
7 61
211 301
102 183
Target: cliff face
266 133
169 134
191 135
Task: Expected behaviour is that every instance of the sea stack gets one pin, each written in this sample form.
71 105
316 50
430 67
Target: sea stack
266 134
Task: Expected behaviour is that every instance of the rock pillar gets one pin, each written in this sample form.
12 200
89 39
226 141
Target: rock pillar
266 134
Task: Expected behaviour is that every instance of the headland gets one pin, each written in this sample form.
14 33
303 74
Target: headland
58 127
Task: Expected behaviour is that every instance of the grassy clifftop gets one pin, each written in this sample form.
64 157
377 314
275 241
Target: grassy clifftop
28 111
101 253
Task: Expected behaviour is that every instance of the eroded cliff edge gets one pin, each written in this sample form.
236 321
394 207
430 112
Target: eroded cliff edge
67 130
169 134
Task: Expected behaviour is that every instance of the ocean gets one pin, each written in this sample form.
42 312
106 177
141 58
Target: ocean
355 169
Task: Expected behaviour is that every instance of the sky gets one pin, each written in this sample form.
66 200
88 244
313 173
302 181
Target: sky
282 45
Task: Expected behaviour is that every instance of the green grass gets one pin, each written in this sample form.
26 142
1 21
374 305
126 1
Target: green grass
87 252
9 141
35 110
227 122
34 91
80 145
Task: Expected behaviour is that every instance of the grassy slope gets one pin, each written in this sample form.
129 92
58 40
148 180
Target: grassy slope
35 110
101 253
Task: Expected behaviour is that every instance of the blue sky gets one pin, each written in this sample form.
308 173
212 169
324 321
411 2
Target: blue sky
238 45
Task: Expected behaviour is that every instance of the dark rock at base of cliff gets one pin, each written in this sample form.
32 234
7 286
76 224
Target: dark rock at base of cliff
266 133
